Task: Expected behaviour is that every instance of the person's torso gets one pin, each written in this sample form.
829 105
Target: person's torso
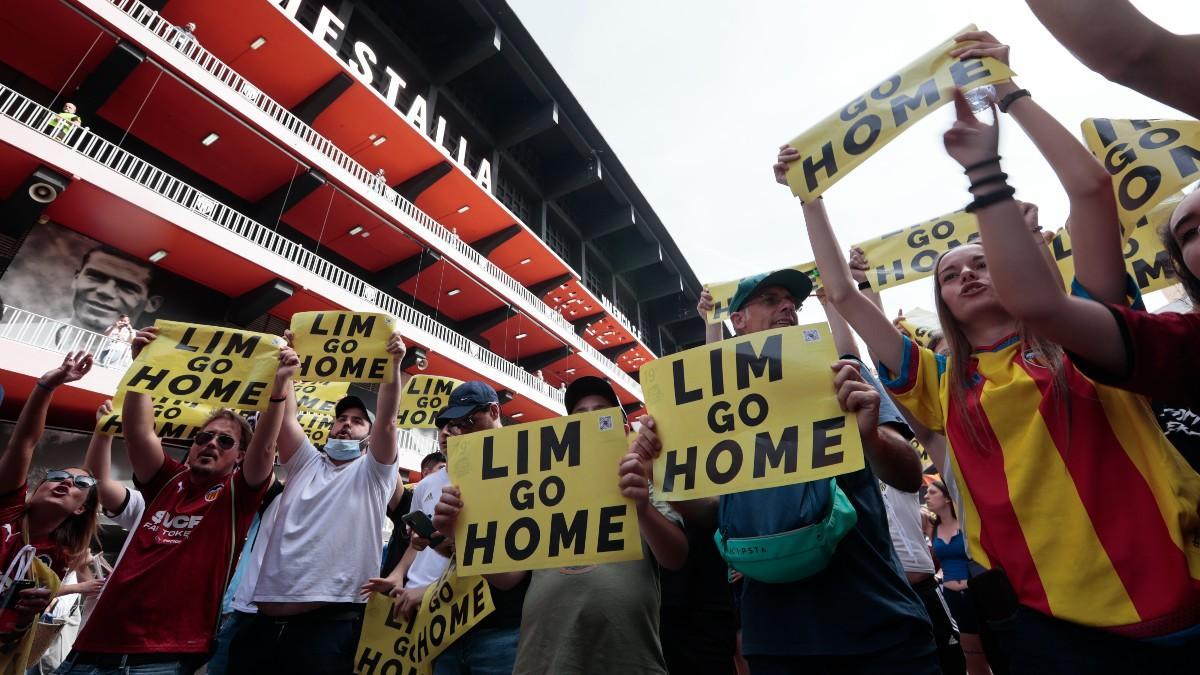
243 597
592 619
327 538
904 526
1181 426
1069 485
165 594
952 554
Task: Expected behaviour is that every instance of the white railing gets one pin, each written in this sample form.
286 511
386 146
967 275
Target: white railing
58 336
30 114
371 184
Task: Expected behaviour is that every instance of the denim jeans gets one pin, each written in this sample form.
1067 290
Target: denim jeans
230 626
164 668
480 652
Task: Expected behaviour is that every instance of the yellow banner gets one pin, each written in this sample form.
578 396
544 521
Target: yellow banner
543 494
845 139
451 606
315 425
320 397
343 346
1145 258
173 418
724 291
424 397
921 324
750 412
220 367
910 253
1148 160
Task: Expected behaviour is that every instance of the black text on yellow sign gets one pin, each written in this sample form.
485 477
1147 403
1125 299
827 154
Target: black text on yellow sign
424 397
1147 159
315 426
910 253
543 494
320 397
749 412
215 366
173 418
850 135
451 606
343 346
1146 261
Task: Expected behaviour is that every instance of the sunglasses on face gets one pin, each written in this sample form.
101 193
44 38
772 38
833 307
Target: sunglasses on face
466 422
224 441
81 481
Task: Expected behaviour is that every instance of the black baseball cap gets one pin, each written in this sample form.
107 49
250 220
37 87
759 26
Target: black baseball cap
465 398
587 386
349 402
796 282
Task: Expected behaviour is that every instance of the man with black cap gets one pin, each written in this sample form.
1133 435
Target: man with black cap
858 613
327 538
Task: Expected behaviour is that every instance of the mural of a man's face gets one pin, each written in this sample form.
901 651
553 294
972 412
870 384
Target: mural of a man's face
107 286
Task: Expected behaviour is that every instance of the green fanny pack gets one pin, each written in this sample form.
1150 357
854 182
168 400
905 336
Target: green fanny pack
794 555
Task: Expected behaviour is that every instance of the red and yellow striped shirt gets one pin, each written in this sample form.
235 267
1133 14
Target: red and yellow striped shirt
1088 509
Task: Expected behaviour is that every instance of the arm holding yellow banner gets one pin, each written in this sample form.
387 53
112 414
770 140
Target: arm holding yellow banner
383 433
98 461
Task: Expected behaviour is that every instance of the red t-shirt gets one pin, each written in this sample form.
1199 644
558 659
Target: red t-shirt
12 522
1161 358
165 595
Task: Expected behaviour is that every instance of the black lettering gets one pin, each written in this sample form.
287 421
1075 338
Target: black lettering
1144 272
1185 158
1117 158
368 661
966 72
924 261
734 450
151 377
183 385
771 454
827 163
317 328
475 542
534 536
560 491
852 145
185 341
1104 130
437 629
717 422
927 93
892 83
760 403
682 393
361 325
443 387
1150 177
243 345
218 388
489 469
822 441
521 495
252 394
853 109
610 527
687 469
111 424
1166 137
460 614
769 360
881 273
562 534
555 448
716 373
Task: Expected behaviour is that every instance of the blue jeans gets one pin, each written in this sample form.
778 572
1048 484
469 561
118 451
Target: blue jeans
490 651
230 625
164 668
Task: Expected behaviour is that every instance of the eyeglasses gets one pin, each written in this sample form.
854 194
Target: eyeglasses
81 481
467 422
771 299
224 441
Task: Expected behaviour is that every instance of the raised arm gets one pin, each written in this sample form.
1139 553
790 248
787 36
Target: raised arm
137 422
1116 40
259 461
889 454
291 434
16 457
667 541
98 461
1031 293
713 332
1093 223
383 432
843 337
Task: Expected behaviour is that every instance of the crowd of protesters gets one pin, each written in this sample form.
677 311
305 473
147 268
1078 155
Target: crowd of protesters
1058 530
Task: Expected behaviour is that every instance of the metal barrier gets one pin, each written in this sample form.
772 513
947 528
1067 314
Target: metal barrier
164 30
62 338
28 113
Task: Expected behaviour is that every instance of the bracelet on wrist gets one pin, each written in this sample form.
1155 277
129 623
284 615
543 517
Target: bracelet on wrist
280 399
1011 98
864 285
994 178
981 164
47 387
991 198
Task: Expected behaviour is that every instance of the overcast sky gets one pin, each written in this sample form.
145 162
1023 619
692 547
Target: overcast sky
695 97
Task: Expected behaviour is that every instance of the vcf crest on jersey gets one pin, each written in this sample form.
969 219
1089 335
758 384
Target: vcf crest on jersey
213 492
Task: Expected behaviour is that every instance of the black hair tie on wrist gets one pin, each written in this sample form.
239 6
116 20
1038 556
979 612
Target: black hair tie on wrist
864 285
994 178
981 164
990 199
1012 98
281 399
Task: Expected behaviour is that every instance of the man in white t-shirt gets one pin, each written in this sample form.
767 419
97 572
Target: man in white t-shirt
326 541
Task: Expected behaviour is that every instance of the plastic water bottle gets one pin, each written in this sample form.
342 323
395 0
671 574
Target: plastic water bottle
981 98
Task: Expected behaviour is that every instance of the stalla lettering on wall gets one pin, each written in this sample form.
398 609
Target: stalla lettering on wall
329 31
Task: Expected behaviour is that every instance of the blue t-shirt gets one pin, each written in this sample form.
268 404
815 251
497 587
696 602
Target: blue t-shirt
953 557
861 603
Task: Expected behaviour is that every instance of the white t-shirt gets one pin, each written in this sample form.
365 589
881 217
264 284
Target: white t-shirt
128 519
327 539
904 522
429 564
243 597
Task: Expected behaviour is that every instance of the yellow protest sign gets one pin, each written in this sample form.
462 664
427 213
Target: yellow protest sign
173 418
910 253
320 397
921 324
845 139
451 606
424 397
724 291
221 367
315 425
1147 159
343 346
750 412
543 494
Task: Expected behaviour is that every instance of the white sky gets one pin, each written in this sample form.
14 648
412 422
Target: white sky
695 97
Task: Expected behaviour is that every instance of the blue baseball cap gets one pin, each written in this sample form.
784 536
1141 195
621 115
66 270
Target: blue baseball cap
797 283
465 398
